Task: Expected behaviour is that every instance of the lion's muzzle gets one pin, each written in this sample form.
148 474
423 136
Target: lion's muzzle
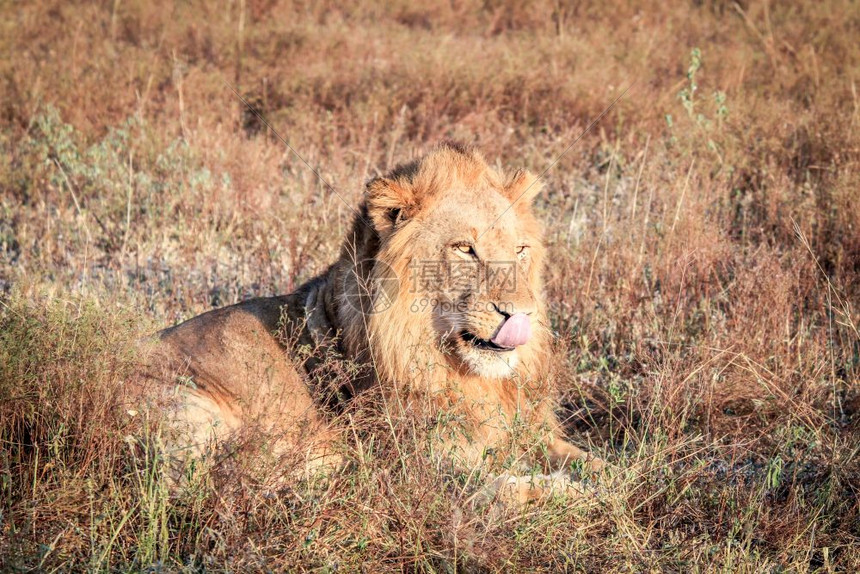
515 331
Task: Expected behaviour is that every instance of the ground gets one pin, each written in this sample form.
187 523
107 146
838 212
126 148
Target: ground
703 280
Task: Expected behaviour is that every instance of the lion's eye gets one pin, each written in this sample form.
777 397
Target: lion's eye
465 248
522 251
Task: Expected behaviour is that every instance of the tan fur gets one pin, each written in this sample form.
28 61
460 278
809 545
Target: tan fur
245 368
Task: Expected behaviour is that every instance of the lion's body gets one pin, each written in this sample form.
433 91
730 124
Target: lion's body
248 366
229 373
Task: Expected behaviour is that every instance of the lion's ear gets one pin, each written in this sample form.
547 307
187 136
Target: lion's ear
522 187
388 203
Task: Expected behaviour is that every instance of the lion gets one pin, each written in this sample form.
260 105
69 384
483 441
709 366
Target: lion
436 298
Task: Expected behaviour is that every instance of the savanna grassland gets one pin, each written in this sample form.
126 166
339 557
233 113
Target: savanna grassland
703 278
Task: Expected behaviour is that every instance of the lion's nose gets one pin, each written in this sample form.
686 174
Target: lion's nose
515 331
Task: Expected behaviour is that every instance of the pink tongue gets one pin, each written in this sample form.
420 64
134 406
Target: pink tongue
514 332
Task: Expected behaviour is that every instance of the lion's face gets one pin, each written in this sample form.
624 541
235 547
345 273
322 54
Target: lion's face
468 256
473 271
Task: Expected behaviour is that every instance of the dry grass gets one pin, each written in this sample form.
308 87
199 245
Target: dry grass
705 263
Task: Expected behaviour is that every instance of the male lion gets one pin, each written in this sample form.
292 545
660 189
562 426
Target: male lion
436 299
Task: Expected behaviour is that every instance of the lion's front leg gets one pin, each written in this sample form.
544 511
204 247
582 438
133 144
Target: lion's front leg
526 489
561 453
